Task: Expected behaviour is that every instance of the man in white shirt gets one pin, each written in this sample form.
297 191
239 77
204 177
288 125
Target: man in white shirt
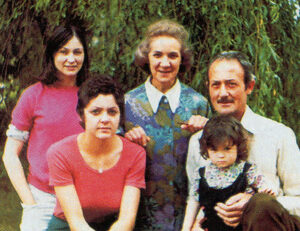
274 150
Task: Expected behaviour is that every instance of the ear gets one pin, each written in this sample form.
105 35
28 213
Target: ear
207 83
250 87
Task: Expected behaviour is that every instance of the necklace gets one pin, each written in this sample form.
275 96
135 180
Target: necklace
100 170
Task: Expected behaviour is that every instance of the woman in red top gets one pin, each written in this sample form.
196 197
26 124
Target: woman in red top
97 175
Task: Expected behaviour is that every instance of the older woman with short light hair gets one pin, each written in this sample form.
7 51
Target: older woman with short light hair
161 114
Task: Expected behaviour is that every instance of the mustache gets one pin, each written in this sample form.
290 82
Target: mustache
225 100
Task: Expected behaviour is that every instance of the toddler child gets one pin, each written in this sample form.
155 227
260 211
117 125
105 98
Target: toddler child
224 143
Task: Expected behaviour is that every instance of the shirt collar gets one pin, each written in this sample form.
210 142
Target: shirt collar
154 95
248 120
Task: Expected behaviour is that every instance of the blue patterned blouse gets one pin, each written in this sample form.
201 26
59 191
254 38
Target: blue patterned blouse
163 203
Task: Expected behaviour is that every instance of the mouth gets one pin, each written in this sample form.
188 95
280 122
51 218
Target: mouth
165 72
104 128
71 67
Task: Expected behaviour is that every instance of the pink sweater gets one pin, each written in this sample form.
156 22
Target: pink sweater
49 114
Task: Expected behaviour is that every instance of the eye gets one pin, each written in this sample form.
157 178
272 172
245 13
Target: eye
173 55
156 55
215 84
227 148
232 84
63 51
113 112
78 52
95 111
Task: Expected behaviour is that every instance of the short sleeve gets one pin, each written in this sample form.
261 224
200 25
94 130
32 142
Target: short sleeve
136 174
23 113
59 169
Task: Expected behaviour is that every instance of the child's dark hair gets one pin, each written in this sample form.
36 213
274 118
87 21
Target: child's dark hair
225 128
96 85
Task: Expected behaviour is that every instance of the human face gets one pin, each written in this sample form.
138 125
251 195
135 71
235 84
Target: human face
227 90
164 61
69 58
224 155
102 117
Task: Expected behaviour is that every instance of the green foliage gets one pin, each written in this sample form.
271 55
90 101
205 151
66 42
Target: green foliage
267 31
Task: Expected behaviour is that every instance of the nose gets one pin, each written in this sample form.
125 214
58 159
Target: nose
220 155
104 117
223 91
71 58
165 62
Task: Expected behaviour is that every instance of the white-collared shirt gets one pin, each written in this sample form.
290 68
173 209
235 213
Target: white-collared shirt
275 152
154 95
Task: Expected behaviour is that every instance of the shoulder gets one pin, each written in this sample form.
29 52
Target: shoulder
272 127
33 90
136 91
190 92
132 149
189 96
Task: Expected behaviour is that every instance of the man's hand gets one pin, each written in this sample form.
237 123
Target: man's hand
231 212
195 123
137 135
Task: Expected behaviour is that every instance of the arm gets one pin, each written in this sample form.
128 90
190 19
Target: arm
137 135
128 210
191 211
15 170
70 204
288 171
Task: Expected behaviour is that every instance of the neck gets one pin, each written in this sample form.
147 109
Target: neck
95 146
162 87
66 81
239 115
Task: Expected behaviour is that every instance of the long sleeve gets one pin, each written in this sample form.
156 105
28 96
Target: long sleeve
289 171
194 161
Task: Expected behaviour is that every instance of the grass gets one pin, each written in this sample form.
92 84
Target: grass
10 207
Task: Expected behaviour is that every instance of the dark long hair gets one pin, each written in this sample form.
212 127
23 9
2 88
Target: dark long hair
61 35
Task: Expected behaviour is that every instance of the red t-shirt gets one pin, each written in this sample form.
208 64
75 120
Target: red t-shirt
49 114
99 193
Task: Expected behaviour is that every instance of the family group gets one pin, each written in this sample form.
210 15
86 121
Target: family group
156 158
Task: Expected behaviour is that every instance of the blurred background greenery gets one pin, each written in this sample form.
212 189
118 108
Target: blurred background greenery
267 31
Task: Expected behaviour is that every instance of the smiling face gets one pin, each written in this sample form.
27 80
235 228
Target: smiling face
69 58
227 90
164 61
102 117
224 155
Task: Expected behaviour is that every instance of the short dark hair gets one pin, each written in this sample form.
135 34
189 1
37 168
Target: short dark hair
60 36
224 128
168 28
96 85
241 58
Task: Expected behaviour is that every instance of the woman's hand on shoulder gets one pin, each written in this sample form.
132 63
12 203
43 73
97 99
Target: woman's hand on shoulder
137 135
195 123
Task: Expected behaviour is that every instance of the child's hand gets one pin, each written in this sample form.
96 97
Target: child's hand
267 191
